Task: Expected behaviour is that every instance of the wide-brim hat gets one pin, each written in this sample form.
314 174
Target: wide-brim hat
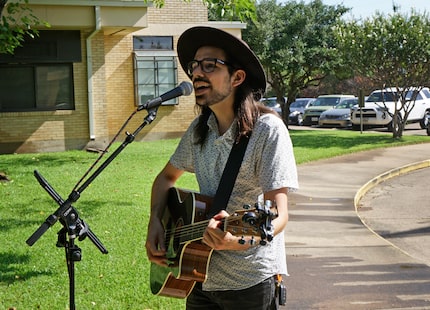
194 38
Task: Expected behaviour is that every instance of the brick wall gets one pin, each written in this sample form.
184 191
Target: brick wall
31 132
112 93
178 12
171 121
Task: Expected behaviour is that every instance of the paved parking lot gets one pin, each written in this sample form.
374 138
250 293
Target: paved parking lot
398 210
334 260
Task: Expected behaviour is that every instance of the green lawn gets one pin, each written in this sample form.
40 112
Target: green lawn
116 207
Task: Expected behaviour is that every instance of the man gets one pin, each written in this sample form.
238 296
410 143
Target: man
228 81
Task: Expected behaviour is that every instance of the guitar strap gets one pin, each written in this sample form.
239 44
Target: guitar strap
228 178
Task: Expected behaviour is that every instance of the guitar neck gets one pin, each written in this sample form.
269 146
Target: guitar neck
192 232
232 224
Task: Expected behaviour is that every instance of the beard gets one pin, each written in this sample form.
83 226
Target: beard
214 95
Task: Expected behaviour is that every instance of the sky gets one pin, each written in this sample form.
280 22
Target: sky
366 8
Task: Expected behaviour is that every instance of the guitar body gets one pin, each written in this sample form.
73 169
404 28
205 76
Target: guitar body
184 222
188 259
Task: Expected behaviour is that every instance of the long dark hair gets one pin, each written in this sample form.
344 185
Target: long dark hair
247 110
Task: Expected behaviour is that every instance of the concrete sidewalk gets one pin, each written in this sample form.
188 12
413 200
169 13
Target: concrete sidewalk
334 260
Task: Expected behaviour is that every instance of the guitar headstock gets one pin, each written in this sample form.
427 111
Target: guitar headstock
255 221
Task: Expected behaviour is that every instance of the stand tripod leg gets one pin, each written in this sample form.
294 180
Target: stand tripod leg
71 271
73 254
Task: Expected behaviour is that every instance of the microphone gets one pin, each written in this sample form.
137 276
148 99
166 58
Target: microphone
185 88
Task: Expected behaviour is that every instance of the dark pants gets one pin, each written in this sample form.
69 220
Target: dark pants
259 297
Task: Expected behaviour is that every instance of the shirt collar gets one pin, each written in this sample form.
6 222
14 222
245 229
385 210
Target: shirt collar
229 135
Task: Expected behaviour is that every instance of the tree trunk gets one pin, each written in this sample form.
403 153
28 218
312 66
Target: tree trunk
2 5
397 124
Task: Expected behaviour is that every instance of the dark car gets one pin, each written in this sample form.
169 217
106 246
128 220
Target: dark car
272 103
297 108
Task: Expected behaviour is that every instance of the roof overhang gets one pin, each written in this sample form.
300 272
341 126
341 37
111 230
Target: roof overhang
115 16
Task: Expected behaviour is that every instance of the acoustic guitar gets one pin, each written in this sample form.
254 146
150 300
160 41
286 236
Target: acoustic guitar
184 221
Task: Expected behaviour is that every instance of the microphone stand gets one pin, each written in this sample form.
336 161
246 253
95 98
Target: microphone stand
68 216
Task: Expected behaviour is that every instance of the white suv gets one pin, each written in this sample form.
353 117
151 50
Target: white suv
380 105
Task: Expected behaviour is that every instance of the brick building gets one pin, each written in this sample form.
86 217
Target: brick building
76 85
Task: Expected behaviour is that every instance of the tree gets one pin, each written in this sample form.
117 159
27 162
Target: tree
16 22
392 51
239 10
296 44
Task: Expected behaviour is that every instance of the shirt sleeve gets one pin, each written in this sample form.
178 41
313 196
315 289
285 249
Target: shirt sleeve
183 157
276 163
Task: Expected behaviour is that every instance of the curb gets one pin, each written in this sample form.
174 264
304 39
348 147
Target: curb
388 175
379 179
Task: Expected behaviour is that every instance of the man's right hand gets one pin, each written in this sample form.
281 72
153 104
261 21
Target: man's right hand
155 243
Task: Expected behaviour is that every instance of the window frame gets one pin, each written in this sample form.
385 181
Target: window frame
34 100
158 87
40 73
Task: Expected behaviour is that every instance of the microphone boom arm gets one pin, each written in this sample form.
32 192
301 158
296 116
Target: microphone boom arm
66 205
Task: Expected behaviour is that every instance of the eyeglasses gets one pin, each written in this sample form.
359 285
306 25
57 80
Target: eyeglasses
207 65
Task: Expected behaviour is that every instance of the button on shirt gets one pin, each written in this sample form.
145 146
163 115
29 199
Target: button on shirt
268 164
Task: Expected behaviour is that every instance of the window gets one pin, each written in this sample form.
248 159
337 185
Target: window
34 87
145 43
155 68
378 96
153 77
39 76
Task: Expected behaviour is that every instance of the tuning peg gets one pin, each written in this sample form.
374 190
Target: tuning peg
250 218
242 240
247 206
252 241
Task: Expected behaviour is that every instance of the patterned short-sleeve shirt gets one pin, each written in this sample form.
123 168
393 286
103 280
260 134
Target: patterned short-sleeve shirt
268 164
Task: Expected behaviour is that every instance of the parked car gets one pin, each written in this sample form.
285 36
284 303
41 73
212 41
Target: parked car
272 103
380 105
428 124
340 115
321 104
297 108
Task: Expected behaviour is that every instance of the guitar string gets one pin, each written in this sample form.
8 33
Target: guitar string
199 227
196 226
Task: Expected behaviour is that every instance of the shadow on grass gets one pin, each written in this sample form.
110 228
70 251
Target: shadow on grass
9 224
46 160
11 268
